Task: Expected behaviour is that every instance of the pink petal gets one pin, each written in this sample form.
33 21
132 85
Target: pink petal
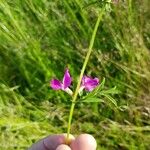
55 84
90 83
66 79
86 79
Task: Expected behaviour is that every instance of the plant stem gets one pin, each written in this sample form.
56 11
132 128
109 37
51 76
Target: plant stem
82 72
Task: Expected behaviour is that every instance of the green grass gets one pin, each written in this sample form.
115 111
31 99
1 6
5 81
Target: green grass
39 38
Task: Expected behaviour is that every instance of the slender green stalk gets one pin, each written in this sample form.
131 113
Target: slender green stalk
82 72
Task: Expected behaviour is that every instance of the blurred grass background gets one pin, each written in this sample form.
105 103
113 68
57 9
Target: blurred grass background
39 38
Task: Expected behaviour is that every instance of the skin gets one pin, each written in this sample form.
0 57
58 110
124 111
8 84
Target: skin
57 142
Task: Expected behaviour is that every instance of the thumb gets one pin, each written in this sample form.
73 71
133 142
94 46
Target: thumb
63 147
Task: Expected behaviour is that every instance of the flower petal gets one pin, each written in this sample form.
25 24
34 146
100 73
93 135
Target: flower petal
86 79
66 79
56 84
89 83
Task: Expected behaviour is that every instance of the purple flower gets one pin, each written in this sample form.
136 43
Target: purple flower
89 83
64 84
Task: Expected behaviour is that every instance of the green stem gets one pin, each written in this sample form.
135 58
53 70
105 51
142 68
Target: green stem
82 72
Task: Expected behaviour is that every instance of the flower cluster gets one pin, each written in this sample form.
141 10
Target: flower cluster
87 83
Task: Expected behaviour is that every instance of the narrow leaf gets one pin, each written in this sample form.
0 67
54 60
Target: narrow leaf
101 85
112 100
92 100
110 91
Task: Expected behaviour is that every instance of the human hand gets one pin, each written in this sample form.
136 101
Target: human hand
57 142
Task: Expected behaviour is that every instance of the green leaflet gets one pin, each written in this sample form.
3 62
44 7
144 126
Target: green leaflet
110 91
112 100
92 100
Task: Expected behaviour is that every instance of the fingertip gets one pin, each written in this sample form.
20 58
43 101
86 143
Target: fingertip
63 147
84 142
88 138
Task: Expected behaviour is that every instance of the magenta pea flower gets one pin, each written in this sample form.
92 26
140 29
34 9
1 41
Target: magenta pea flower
89 84
64 84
